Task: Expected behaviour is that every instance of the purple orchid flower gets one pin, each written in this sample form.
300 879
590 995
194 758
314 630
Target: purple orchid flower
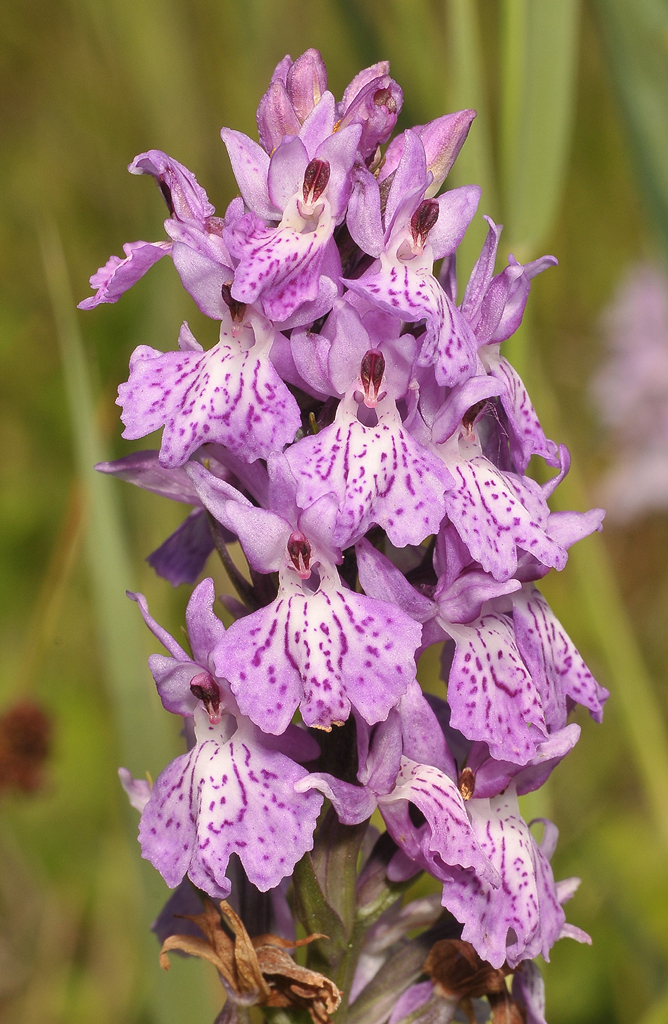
304 186
229 395
319 645
523 917
491 693
414 232
392 781
496 513
361 436
494 306
190 210
234 791
377 471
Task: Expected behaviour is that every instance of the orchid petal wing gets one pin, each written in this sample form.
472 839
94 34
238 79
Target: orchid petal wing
182 557
117 275
524 908
493 523
223 395
492 696
447 831
379 474
554 662
250 165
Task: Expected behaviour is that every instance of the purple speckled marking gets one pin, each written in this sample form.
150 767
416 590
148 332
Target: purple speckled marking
493 523
555 663
446 837
278 266
324 651
449 343
526 901
228 797
527 437
379 474
491 693
223 395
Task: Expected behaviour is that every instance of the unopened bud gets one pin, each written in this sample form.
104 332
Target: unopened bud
423 221
206 689
371 375
316 177
299 550
306 82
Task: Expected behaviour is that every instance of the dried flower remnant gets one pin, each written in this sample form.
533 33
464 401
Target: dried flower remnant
255 972
459 981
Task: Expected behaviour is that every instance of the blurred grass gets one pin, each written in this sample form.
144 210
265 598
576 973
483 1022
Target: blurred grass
86 85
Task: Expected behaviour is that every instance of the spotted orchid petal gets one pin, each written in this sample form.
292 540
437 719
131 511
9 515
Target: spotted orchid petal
442 140
490 691
522 917
555 664
280 267
144 470
324 651
527 437
230 394
492 777
529 991
379 474
117 275
449 343
174 674
229 794
492 522
250 164
203 263
185 197
446 837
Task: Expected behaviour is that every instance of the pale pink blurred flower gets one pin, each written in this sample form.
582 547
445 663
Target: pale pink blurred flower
631 392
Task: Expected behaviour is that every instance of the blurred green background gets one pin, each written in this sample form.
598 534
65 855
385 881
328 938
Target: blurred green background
571 148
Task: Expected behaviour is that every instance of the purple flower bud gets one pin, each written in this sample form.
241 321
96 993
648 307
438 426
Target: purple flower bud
376 107
276 116
306 82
